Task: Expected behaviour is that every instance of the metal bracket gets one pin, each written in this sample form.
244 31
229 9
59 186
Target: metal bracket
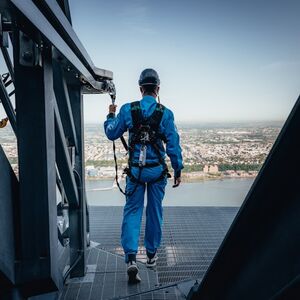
5 27
30 52
3 34
111 89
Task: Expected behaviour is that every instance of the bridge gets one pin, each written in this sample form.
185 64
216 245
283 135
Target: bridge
54 246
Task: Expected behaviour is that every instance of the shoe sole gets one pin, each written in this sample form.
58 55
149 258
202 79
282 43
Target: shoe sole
132 274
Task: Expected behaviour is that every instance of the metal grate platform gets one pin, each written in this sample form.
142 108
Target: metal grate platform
191 237
106 279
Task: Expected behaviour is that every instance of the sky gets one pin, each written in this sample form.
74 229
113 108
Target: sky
232 60
218 60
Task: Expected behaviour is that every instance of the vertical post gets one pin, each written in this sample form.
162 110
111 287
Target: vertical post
77 216
37 271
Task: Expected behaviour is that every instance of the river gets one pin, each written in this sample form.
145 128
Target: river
226 192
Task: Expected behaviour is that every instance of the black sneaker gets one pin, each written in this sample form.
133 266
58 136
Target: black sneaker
133 272
151 260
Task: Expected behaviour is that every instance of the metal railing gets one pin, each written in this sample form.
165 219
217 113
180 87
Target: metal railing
50 71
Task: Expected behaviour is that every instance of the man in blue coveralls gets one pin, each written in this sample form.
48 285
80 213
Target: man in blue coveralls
149 123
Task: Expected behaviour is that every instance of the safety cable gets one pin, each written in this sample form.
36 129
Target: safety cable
66 275
117 176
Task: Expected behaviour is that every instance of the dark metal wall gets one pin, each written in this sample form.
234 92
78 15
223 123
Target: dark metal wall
78 216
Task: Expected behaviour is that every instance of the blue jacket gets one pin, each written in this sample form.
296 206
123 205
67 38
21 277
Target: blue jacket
115 127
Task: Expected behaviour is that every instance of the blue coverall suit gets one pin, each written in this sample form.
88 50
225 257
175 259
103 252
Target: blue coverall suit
133 210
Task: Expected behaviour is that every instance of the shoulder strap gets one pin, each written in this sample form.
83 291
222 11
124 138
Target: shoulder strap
155 118
136 113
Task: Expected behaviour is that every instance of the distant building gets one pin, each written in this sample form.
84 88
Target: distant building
206 169
211 169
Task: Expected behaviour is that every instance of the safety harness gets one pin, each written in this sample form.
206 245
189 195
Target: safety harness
144 132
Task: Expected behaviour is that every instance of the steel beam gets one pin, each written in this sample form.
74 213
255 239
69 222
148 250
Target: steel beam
62 25
63 103
64 5
8 62
77 217
63 162
37 271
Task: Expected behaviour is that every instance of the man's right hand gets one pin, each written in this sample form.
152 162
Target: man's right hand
177 181
112 109
177 178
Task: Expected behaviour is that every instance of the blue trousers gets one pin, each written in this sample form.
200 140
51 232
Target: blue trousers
133 211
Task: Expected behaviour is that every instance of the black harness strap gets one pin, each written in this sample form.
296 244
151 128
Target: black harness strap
153 122
136 113
138 123
156 117
137 180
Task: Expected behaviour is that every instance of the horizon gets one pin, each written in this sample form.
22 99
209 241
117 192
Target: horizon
226 122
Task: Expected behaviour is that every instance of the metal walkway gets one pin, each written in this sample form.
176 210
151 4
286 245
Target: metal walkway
191 237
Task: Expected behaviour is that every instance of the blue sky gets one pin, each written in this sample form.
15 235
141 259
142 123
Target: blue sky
218 60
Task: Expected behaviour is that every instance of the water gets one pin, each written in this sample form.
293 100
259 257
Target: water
227 192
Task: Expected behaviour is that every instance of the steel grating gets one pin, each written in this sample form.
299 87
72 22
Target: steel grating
106 278
191 237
